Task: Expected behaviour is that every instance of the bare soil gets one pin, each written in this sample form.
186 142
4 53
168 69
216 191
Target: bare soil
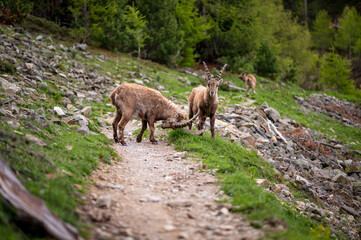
154 192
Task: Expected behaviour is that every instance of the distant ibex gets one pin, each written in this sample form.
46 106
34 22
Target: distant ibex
133 100
250 81
204 100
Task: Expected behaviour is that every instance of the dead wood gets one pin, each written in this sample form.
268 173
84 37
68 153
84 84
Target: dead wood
197 132
30 208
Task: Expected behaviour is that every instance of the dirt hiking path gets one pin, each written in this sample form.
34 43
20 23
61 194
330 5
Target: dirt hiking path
155 193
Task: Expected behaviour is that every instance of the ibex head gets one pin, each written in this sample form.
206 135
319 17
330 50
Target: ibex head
213 83
243 75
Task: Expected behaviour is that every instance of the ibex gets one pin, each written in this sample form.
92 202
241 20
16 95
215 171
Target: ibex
204 100
133 100
250 81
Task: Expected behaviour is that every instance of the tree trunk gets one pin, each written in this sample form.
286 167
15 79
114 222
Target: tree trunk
306 20
30 209
138 56
86 22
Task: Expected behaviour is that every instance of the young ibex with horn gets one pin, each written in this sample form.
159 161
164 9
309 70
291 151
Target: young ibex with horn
133 100
250 81
204 100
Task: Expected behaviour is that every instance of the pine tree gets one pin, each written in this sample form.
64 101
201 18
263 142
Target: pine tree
335 73
136 26
322 31
165 39
88 16
194 29
349 30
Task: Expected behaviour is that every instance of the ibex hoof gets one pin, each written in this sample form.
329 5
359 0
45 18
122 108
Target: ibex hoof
154 142
124 143
139 139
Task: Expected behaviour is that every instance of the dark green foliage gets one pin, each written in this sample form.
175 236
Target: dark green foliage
165 38
266 64
349 32
194 29
335 73
45 26
322 31
14 11
6 67
88 17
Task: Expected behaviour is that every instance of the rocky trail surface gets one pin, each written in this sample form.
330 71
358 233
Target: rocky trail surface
155 193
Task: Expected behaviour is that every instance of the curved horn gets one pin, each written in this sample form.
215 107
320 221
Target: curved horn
220 72
180 124
209 75
185 123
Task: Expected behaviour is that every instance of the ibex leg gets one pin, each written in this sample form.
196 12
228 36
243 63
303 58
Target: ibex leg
212 121
118 116
125 119
151 131
144 127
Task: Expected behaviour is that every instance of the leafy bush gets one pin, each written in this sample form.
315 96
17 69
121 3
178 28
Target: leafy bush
14 11
335 72
266 64
45 26
6 67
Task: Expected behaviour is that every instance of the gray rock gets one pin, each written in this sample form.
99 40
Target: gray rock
59 111
81 46
302 181
304 109
39 37
86 111
137 81
342 179
9 88
35 140
262 182
181 155
101 122
83 130
264 106
104 202
65 101
179 203
272 114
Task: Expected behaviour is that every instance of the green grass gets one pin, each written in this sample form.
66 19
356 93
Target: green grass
236 168
62 185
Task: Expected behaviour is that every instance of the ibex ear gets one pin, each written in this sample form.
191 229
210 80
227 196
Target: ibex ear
220 81
206 80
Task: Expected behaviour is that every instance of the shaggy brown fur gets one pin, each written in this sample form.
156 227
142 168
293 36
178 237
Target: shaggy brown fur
205 100
133 100
250 81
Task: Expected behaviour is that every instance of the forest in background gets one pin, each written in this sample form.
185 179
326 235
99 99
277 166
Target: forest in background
315 43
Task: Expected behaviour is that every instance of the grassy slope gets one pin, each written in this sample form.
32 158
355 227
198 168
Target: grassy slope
74 155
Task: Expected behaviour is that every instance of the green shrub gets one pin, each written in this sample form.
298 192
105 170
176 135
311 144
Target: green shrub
6 67
14 11
45 26
335 73
266 64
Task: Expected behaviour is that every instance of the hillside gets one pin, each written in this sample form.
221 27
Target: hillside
288 160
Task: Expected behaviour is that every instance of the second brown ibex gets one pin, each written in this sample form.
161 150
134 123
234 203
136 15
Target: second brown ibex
249 81
204 100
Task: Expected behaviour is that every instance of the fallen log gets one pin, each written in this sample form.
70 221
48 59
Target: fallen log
30 208
197 132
